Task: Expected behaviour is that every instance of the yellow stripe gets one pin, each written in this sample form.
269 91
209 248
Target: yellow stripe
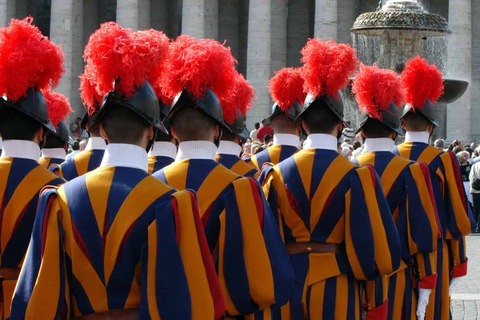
151 164
25 191
241 168
216 181
274 153
98 188
44 162
304 163
428 154
366 158
391 173
151 266
351 253
176 174
202 304
405 150
5 165
317 295
81 161
341 298
81 267
148 190
399 296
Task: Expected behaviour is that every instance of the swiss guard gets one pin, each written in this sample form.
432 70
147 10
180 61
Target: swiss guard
252 264
29 63
232 140
286 89
407 187
423 86
100 242
332 215
89 159
56 143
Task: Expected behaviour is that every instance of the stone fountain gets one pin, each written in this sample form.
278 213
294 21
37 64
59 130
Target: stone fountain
395 33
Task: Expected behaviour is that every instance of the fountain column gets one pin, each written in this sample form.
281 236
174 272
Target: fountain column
326 19
259 57
459 113
7 11
193 18
279 34
133 14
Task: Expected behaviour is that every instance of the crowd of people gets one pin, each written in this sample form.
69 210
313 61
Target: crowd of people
172 210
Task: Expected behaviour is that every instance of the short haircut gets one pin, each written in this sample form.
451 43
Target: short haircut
283 124
267 138
228 136
440 143
122 125
373 128
192 125
76 145
457 149
356 145
52 141
319 118
14 125
93 128
257 125
415 121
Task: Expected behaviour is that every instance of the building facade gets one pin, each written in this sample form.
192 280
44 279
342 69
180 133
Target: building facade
264 36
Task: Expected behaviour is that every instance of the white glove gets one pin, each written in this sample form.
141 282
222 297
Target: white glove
423 296
453 284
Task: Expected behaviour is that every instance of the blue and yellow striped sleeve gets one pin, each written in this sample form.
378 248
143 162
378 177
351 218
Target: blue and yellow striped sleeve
371 238
42 287
178 275
254 268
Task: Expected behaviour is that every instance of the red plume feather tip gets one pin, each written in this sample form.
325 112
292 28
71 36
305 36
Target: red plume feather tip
327 67
27 59
89 95
198 65
238 103
421 81
58 106
375 89
286 87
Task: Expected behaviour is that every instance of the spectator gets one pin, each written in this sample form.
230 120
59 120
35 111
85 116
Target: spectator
465 169
339 147
264 129
267 139
457 149
259 148
76 127
247 148
347 152
83 145
356 145
253 133
475 191
439 144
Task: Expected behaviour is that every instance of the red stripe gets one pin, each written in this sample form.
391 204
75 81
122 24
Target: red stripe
206 215
379 313
426 175
175 217
460 270
293 202
81 243
124 240
258 200
104 232
19 218
2 209
215 289
45 222
374 176
429 282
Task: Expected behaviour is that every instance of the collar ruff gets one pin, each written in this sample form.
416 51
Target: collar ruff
55 153
96 143
163 149
286 139
125 155
417 136
379 144
320 141
229 147
25 149
196 150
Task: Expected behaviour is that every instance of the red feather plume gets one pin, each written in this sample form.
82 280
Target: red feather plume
375 89
286 87
58 106
421 81
27 59
240 102
88 93
198 65
327 66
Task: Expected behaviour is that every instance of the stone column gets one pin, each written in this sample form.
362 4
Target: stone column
229 25
348 11
259 57
133 14
475 72
460 67
7 11
193 18
326 19
298 30
66 29
211 19
279 34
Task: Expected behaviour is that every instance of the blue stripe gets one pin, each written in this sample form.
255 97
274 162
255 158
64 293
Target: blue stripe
382 160
351 315
19 169
198 170
162 162
287 152
262 157
417 149
69 169
77 291
329 303
95 159
228 160
321 163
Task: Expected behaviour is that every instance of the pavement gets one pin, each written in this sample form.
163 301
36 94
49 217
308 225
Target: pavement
466 295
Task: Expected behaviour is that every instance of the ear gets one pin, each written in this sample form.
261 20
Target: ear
40 134
404 126
363 134
304 125
103 134
340 126
174 133
150 133
430 128
217 131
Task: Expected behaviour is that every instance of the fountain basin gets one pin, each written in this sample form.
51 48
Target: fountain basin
454 90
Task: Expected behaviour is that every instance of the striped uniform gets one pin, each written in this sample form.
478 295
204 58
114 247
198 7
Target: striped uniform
20 183
455 218
237 165
89 252
274 154
407 187
156 163
319 196
48 162
79 164
252 266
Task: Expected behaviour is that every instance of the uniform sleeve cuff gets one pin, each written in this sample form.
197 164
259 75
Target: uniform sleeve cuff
460 270
429 282
379 313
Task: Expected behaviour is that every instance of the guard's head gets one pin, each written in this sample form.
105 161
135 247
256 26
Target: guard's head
15 125
92 128
374 128
121 125
415 121
51 142
283 124
192 125
320 119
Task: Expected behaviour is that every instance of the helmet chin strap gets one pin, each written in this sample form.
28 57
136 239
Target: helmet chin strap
216 140
152 141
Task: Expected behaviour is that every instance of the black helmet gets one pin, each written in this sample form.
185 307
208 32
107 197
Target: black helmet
32 105
143 102
335 104
238 127
62 133
209 104
390 118
293 111
427 111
